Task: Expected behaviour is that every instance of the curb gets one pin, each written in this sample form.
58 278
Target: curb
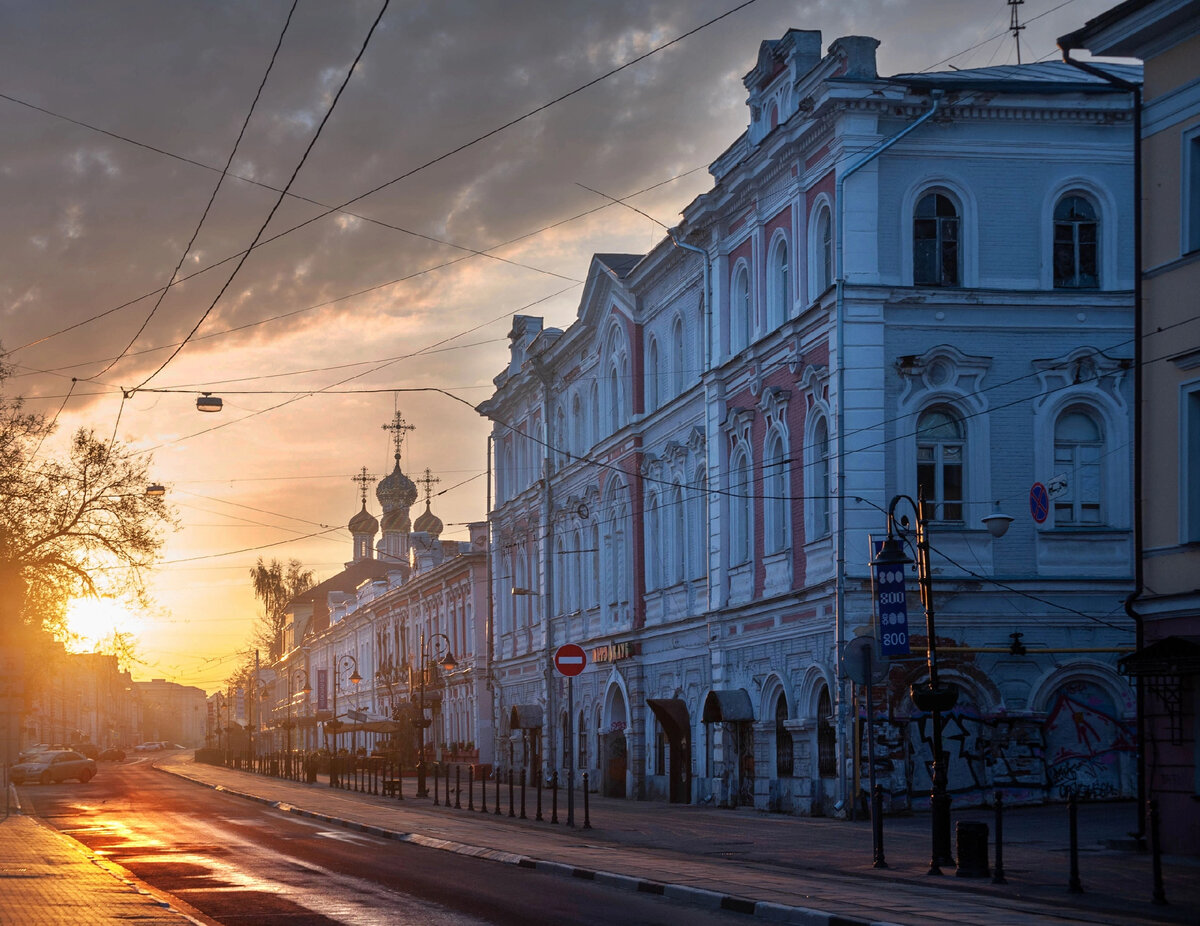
775 912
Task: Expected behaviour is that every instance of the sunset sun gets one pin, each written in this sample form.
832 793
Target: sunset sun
95 619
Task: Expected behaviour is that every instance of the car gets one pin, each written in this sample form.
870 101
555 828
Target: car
53 766
91 750
112 754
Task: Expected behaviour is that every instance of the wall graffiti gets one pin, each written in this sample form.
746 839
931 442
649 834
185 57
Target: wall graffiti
1080 745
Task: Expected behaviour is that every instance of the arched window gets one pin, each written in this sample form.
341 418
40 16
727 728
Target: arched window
935 241
678 357
615 419
697 519
775 495
821 492
595 417
562 439
1075 242
741 508
780 294
941 446
652 375
594 569
785 753
740 311
826 737
653 543
822 251
679 540
1079 454
579 445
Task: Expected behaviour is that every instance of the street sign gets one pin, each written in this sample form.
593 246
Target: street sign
891 599
1057 485
570 659
1039 502
861 661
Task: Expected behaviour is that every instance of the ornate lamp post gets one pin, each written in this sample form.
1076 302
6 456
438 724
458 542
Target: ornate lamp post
932 696
439 653
340 663
306 691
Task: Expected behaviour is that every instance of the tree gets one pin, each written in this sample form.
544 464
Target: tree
275 586
73 525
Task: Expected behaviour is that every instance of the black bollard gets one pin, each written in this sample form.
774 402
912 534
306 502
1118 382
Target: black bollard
998 874
1075 886
496 772
877 827
436 778
539 798
587 820
554 796
1160 895
523 817
399 781
512 812
447 803
458 787
471 787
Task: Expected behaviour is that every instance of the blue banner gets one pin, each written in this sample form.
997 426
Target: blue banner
322 689
891 600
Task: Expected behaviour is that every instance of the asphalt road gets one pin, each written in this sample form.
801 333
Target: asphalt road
227 860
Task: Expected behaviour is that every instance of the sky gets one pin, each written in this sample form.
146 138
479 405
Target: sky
119 117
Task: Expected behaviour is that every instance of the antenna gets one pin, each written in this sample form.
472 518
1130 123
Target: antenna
1014 25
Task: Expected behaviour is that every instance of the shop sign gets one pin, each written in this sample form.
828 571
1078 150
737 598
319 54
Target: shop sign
612 652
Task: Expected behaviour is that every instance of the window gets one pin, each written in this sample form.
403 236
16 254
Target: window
823 258
935 241
578 423
614 399
679 519
1191 185
780 291
653 542
820 479
697 520
677 357
1189 440
941 441
776 501
826 737
1078 451
785 753
741 508
652 376
739 311
1075 236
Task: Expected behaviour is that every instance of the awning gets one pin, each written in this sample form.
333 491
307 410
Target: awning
672 713
731 705
1170 657
525 717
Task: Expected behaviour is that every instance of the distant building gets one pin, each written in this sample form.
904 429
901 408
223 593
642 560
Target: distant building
1166 35
909 284
172 712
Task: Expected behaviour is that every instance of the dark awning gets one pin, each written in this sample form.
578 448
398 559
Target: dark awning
525 717
672 713
1170 657
727 706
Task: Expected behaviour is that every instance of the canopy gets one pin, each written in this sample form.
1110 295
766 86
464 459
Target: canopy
727 706
672 713
1171 657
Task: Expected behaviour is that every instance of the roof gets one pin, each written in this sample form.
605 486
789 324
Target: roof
620 264
1173 657
1043 77
348 580
1136 28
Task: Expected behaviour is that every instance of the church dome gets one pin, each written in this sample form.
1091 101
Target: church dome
429 522
364 522
396 490
396 520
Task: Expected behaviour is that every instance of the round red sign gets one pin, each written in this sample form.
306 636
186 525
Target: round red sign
570 659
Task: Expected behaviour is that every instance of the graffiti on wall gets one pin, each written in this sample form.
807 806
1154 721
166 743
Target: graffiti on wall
1085 740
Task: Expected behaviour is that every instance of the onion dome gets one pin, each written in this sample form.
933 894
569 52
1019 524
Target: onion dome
364 522
429 522
396 521
396 490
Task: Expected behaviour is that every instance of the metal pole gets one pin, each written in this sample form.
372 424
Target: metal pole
511 811
554 796
876 789
421 789
1160 895
587 820
457 787
570 751
998 875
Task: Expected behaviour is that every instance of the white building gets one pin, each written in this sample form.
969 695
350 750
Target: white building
896 285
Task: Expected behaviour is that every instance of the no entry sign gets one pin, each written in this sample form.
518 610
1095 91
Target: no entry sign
570 659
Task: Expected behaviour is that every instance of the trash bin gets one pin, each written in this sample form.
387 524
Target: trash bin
972 839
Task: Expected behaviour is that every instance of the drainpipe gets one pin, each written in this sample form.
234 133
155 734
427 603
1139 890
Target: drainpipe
491 607
840 321
1135 90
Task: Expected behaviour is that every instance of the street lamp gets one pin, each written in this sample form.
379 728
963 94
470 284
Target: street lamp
340 663
438 652
932 696
306 691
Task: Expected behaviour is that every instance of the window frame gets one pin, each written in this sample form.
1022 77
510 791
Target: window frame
1077 281
939 462
943 225
741 308
1076 503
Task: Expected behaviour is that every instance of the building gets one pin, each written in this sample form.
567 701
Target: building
172 712
1166 35
904 285
363 648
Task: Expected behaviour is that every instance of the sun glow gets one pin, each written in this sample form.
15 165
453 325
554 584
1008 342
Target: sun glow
93 620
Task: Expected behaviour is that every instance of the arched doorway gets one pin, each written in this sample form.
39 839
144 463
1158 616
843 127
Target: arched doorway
731 709
826 753
614 749
672 714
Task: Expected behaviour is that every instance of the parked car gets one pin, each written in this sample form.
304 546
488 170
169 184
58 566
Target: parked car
91 750
53 766
112 754
35 750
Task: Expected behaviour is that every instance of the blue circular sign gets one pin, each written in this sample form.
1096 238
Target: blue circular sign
1039 502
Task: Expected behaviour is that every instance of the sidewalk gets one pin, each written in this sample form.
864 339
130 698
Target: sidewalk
47 879
785 868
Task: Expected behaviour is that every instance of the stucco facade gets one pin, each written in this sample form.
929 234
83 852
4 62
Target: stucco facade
895 284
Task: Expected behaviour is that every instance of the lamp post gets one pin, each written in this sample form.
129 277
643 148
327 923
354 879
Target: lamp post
438 652
340 663
931 696
306 691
